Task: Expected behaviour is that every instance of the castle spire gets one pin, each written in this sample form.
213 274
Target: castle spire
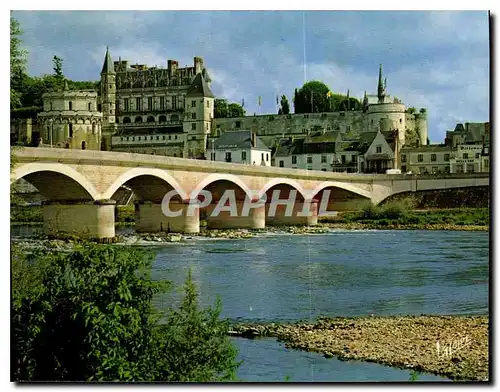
380 89
108 63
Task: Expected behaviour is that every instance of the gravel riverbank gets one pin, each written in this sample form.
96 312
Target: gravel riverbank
452 346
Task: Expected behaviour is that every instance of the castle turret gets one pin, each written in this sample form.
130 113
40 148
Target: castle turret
108 101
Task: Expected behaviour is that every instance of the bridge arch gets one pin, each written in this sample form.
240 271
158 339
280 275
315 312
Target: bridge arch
148 183
338 196
212 178
283 181
56 181
341 185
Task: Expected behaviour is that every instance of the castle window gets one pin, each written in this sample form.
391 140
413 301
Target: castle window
150 103
174 118
193 116
93 128
243 156
323 158
169 137
433 157
400 120
282 164
126 120
379 149
208 104
157 138
465 155
193 126
70 130
90 106
138 119
126 104
372 122
309 160
174 102
138 104
84 145
294 159
267 157
343 159
420 157
175 137
477 155
207 127
162 118
403 158
238 124
446 157
51 106
162 103
175 155
70 105
151 119
193 104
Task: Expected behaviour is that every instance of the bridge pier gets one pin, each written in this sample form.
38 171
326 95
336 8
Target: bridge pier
255 219
89 220
280 217
149 218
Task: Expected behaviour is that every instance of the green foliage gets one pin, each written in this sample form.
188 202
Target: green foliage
88 316
314 97
411 110
197 348
423 110
26 112
223 109
58 73
285 105
17 63
414 376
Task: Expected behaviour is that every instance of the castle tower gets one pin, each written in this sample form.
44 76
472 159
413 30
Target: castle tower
108 101
199 112
421 127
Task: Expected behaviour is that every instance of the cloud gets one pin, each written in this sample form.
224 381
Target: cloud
438 60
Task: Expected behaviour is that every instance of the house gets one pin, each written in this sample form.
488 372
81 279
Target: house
433 158
239 147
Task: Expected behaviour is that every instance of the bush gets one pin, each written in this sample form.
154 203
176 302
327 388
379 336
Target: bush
88 316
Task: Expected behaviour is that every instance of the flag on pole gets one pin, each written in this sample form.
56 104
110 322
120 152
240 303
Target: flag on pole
277 102
312 100
260 100
243 102
348 100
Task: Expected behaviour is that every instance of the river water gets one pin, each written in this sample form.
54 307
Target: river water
343 273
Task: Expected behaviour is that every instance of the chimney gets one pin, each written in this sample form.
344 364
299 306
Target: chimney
253 139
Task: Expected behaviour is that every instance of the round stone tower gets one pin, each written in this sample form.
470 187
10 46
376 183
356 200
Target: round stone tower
387 117
421 127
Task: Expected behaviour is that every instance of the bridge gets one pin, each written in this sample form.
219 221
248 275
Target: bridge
82 186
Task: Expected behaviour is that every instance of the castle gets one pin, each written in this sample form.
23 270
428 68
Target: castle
170 111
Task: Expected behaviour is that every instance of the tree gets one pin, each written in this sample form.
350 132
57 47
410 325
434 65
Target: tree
88 316
312 98
411 110
223 109
423 110
17 63
220 108
58 73
285 105
235 110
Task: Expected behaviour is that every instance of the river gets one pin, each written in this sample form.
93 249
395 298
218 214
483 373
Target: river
343 273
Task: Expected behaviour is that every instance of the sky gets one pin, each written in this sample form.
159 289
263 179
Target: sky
433 59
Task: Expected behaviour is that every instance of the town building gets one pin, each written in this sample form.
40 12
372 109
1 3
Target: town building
243 147
428 159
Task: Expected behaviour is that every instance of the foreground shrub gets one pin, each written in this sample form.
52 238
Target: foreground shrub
88 316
